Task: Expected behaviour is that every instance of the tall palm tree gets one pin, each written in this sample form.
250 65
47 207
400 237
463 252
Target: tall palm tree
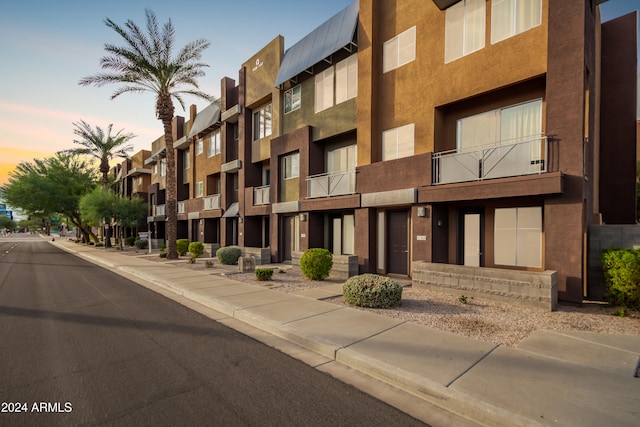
103 146
147 64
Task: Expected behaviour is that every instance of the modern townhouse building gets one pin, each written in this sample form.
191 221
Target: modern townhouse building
133 179
478 133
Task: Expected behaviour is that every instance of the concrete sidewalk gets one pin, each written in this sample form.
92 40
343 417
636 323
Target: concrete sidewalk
560 379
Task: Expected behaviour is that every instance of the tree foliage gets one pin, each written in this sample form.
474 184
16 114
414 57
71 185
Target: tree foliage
51 185
149 62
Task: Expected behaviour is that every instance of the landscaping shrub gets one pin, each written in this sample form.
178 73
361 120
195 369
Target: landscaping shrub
182 246
228 255
130 241
316 263
141 244
163 254
208 264
621 268
196 249
264 273
373 291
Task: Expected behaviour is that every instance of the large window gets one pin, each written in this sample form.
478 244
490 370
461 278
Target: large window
199 146
507 125
262 122
214 144
399 51
464 29
199 190
291 166
342 159
518 237
185 160
345 80
163 166
398 142
511 17
292 99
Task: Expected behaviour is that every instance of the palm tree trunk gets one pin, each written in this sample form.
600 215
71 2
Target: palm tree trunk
165 113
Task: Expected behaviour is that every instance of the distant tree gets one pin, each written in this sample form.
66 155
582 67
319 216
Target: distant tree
149 63
7 223
52 185
129 212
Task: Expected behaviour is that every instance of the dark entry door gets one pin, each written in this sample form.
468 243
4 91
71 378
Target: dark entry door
195 230
398 242
287 227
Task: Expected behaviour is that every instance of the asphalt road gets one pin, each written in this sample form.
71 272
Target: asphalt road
82 345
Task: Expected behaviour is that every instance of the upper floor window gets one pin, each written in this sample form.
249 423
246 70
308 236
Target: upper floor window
214 144
291 166
511 17
464 29
199 146
344 77
399 50
185 160
342 159
262 122
292 99
163 166
199 190
398 142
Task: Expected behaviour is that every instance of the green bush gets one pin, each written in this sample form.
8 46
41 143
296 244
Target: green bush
141 244
621 268
99 244
228 255
264 273
182 246
196 249
373 291
163 254
316 263
130 241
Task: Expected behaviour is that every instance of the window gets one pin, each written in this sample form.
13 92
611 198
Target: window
508 125
347 79
185 160
155 168
398 142
214 144
518 237
199 146
399 51
163 166
199 189
262 122
342 159
291 166
324 90
511 17
292 99
464 29
343 235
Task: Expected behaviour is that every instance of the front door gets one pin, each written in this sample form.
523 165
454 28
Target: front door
287 233
195 230
398 242
472 247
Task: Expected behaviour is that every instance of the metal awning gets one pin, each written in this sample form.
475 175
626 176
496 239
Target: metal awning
138 171
207 118
445 4
335 34
155 156
233 210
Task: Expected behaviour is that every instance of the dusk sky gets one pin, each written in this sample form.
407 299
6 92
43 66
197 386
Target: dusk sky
48 46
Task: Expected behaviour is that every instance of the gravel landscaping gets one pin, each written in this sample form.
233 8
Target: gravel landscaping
490 321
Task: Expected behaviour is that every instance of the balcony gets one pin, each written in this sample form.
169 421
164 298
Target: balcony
181 207
331 184
497 161
211 202
158 210
262 195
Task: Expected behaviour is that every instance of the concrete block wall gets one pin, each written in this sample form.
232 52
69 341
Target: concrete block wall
603 237
261 256
531 289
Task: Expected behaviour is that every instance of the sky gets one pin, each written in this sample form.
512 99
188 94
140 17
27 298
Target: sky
48 46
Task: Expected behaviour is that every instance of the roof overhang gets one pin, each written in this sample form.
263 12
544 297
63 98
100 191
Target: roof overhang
337 33
232 114
155 156
445 4
206 120
181 144
139 171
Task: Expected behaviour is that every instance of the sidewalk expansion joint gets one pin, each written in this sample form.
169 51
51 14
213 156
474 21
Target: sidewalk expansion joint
472 366
313 315
371 336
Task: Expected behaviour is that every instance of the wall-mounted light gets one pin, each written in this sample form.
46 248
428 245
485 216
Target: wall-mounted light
240 219
439 222
303 217
422 211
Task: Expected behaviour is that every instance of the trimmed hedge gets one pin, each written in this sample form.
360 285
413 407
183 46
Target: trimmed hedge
316 263
130 241
196 249
373 291
264 273
621 268
228 255
182 246
141 244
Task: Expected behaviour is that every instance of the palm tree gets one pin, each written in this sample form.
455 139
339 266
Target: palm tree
104 147
147 64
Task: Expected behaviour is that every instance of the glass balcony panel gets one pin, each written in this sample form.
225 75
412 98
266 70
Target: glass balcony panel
262 195
211 202
331 184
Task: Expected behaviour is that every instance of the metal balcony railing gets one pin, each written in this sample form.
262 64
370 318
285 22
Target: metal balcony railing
211 202
525 157
331 184
262 195
158 210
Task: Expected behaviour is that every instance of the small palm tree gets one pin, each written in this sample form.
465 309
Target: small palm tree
101 145
104 147
147 64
